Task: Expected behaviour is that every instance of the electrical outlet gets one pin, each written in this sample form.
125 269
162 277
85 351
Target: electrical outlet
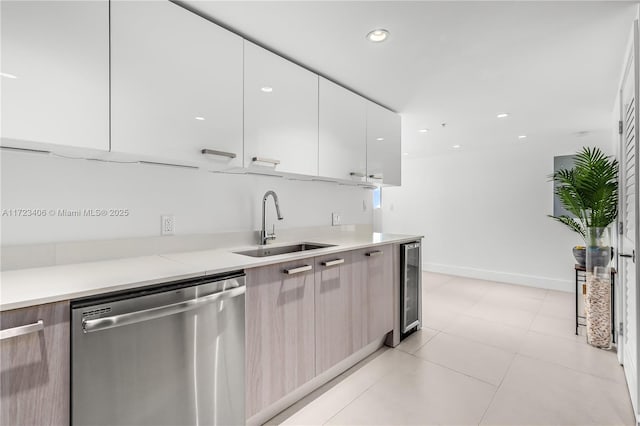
336 219
167 225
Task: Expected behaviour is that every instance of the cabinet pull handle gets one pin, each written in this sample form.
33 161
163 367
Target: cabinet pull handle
376 176
297 270
373 253
265 160
218 153
333 262
22 330
357 174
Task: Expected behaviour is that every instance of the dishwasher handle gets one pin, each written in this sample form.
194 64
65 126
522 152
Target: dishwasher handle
104 323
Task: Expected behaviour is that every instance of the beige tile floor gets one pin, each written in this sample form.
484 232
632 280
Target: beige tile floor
489 354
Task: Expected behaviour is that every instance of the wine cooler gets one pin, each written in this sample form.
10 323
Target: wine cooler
411 287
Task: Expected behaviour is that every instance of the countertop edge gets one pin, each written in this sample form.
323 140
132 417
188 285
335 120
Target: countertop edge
194 270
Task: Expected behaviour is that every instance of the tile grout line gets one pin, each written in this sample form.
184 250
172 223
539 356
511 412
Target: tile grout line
361 393
607 379
451 369
513 358
530 330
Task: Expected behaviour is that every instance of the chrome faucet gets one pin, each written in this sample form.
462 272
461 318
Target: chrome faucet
264 236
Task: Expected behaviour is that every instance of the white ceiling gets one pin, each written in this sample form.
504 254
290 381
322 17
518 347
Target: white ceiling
554 66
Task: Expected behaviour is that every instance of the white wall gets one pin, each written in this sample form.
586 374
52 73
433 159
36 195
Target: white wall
483 212
202 202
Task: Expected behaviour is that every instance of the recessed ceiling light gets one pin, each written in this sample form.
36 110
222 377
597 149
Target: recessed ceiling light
267 89
405 153
456 147
7 75
522 137
502 115
379 139
423 130
378 35
200 118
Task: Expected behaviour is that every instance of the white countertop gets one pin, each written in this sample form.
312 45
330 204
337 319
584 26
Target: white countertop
28 287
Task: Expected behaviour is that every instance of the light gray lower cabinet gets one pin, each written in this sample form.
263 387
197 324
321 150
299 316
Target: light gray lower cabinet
373 267
280 343
339 310
34 364
299 325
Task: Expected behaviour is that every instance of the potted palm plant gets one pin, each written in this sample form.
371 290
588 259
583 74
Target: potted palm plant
590 192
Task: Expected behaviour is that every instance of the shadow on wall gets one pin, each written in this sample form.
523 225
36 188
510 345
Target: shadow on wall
201 202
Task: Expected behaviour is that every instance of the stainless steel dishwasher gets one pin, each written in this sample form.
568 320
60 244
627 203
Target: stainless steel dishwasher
171 354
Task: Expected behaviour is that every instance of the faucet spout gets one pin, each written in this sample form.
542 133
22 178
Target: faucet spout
275 200
264 236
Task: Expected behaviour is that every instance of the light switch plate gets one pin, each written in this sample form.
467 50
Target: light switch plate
336 219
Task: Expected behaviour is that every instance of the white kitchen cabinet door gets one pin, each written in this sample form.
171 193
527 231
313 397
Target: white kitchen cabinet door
55 74
280 114
176 85
383 145
343 143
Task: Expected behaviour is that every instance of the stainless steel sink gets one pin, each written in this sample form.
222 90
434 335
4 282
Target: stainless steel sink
274 251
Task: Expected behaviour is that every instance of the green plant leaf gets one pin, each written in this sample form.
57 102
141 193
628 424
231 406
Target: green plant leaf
589 190
571 223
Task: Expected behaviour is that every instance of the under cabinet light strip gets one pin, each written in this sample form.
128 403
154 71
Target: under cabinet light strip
32 151
154 163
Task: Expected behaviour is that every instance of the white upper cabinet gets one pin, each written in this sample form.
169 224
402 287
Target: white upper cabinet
383 145
176 85
280 113
343 143
55 74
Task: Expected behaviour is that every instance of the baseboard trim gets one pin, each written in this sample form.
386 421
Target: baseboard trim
503 277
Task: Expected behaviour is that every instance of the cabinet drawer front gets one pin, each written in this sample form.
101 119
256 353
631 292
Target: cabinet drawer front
35 366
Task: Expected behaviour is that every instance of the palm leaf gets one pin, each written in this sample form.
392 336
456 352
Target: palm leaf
571 223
